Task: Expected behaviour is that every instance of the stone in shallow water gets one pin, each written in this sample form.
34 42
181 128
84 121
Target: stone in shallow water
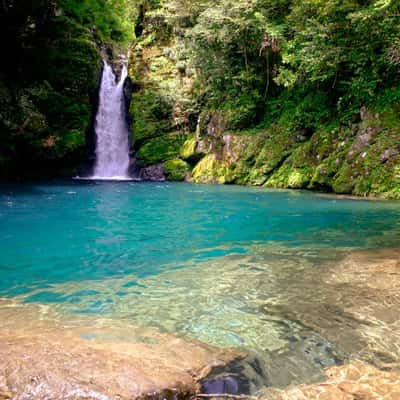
53 365
354 381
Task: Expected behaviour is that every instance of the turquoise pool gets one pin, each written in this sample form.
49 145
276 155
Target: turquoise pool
229 265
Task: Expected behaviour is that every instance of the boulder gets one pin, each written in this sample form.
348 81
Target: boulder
153 173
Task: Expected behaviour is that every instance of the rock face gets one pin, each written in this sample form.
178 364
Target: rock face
153 173
364 161
53 365
176 170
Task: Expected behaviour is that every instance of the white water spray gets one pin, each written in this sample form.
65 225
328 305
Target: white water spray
112 147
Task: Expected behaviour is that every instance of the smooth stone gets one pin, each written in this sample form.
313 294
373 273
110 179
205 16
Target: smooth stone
51 364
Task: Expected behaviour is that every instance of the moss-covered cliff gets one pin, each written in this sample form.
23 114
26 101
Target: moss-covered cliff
49 79
361 159
248 129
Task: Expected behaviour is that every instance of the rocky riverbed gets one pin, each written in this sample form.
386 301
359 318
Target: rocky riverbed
349 382
377 276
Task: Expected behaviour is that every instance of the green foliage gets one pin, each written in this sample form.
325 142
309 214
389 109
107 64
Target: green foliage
151 114
111 18
290 75
309 61
160 149
51 76
234 47
176 170
341 48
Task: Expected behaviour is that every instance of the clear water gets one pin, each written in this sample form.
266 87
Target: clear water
231 266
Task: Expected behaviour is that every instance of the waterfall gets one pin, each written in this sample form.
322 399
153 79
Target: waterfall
112 133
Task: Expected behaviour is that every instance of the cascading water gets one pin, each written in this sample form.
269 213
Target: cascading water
112 146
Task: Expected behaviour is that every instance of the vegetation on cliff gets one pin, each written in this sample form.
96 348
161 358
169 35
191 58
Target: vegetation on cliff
49 78
282 93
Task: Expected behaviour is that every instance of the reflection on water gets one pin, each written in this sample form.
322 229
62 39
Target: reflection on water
90 231
295 311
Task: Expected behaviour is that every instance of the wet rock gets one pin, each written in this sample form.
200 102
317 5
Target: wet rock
216 126
222 385
51 364
376 277
240 377
360 144
190 151
153 173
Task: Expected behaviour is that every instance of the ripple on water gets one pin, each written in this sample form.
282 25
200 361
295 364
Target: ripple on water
266 272
273 305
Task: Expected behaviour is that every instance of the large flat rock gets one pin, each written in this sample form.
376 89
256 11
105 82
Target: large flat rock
55 365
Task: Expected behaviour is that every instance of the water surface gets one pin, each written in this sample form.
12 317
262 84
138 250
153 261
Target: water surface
231 266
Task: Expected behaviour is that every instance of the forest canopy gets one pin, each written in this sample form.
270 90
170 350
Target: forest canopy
317 57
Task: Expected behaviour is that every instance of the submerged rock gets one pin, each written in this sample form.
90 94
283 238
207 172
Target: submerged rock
349 382
49 364
375 307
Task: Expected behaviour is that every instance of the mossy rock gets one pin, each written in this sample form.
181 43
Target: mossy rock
176 170
188 150
298 179
290 177
211 170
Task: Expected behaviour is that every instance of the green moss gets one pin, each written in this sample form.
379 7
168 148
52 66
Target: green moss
160 149
188 149
150 112
176 170
290 177
257 154
302 143
343 182
364 171
210 170
298 179
164 102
